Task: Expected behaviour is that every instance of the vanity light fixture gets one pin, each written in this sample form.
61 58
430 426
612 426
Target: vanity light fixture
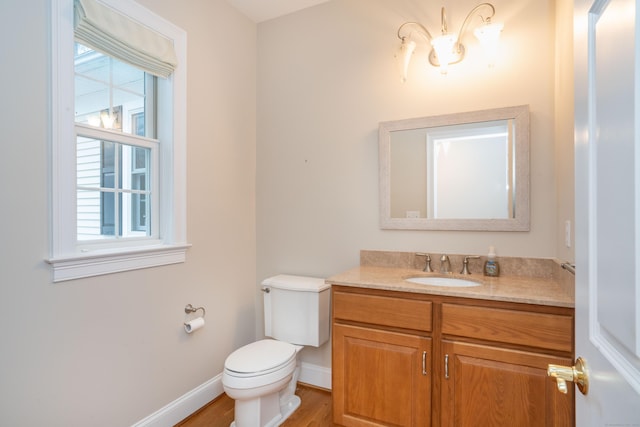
447 48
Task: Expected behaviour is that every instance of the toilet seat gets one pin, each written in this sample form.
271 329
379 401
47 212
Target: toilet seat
259 363
260 358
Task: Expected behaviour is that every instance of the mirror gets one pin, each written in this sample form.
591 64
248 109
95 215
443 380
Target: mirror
463 171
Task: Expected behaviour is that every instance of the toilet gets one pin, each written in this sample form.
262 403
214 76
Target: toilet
261 377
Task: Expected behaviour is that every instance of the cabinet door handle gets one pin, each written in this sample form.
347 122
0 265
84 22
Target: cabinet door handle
446 366
424 363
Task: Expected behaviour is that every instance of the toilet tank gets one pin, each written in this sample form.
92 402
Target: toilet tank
296 309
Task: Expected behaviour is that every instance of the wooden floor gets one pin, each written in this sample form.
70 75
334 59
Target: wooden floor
314 411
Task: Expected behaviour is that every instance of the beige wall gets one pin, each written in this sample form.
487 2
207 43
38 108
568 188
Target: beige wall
111 350
327 77
564 90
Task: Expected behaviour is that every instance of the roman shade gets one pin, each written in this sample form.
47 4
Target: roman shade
112 33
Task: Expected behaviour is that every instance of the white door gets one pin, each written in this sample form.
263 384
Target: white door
607 131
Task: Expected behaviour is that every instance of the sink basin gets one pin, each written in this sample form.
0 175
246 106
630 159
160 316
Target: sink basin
451 282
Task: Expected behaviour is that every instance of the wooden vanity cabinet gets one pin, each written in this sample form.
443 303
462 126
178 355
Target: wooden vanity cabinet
484 361
381 360
489 386
495 365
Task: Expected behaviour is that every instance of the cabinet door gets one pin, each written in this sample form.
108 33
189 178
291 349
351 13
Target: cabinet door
380 378
489 386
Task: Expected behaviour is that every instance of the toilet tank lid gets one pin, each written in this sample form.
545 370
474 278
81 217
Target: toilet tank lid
296 283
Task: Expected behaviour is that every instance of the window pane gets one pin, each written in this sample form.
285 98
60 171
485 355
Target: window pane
113 189
111 94
140 158
89 215
135 167
138 222
108 160
108 214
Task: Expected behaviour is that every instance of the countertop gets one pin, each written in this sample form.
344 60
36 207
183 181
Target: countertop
520 289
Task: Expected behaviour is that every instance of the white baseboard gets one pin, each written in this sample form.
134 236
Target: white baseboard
185 405
315 375
195 399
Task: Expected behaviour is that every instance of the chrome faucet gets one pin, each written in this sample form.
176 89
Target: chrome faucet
465 264
445 264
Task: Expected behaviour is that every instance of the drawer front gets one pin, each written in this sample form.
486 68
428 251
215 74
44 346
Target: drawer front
548 331
382 310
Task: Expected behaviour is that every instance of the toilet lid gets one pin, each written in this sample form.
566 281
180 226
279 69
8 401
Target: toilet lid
260 357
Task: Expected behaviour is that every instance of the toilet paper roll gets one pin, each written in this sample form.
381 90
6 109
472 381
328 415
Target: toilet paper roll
194 325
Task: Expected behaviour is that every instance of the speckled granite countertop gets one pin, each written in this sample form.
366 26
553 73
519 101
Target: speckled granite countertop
553 286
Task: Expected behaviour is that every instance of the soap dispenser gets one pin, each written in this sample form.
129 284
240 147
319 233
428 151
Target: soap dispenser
491 266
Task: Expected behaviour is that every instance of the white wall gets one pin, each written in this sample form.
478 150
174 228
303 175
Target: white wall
109 351
327 77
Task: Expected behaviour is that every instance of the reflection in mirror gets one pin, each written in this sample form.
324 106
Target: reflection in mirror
466 171
484 151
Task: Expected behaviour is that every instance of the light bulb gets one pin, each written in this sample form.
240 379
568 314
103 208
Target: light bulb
94 121
404 57
443 46
107 120
489 36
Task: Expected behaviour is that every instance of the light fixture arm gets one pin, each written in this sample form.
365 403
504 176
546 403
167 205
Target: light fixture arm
422 30
443 21
470 16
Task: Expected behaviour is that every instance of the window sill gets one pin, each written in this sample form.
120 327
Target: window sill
96 264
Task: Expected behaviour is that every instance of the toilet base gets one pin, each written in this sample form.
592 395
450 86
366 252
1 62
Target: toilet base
268 409
287 407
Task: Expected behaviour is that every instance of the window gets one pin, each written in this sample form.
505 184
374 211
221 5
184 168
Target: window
114 168
118 140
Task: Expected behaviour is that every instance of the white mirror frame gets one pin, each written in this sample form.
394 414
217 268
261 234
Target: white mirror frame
520 115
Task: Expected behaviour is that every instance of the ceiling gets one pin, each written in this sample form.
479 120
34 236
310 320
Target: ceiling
263 10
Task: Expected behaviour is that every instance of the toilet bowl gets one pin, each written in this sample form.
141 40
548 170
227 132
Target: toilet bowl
261 377
263 386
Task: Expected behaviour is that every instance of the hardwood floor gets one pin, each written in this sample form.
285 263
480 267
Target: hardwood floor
314 411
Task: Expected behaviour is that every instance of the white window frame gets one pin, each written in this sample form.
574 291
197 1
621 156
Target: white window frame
69 258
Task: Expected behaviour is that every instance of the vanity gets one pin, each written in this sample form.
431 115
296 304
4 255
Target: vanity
410 354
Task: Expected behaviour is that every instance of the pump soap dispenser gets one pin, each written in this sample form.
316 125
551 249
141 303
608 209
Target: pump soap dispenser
491 266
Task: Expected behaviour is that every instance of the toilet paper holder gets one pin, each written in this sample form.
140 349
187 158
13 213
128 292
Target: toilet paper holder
191 309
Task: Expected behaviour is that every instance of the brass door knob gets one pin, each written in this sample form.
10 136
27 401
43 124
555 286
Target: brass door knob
577 374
